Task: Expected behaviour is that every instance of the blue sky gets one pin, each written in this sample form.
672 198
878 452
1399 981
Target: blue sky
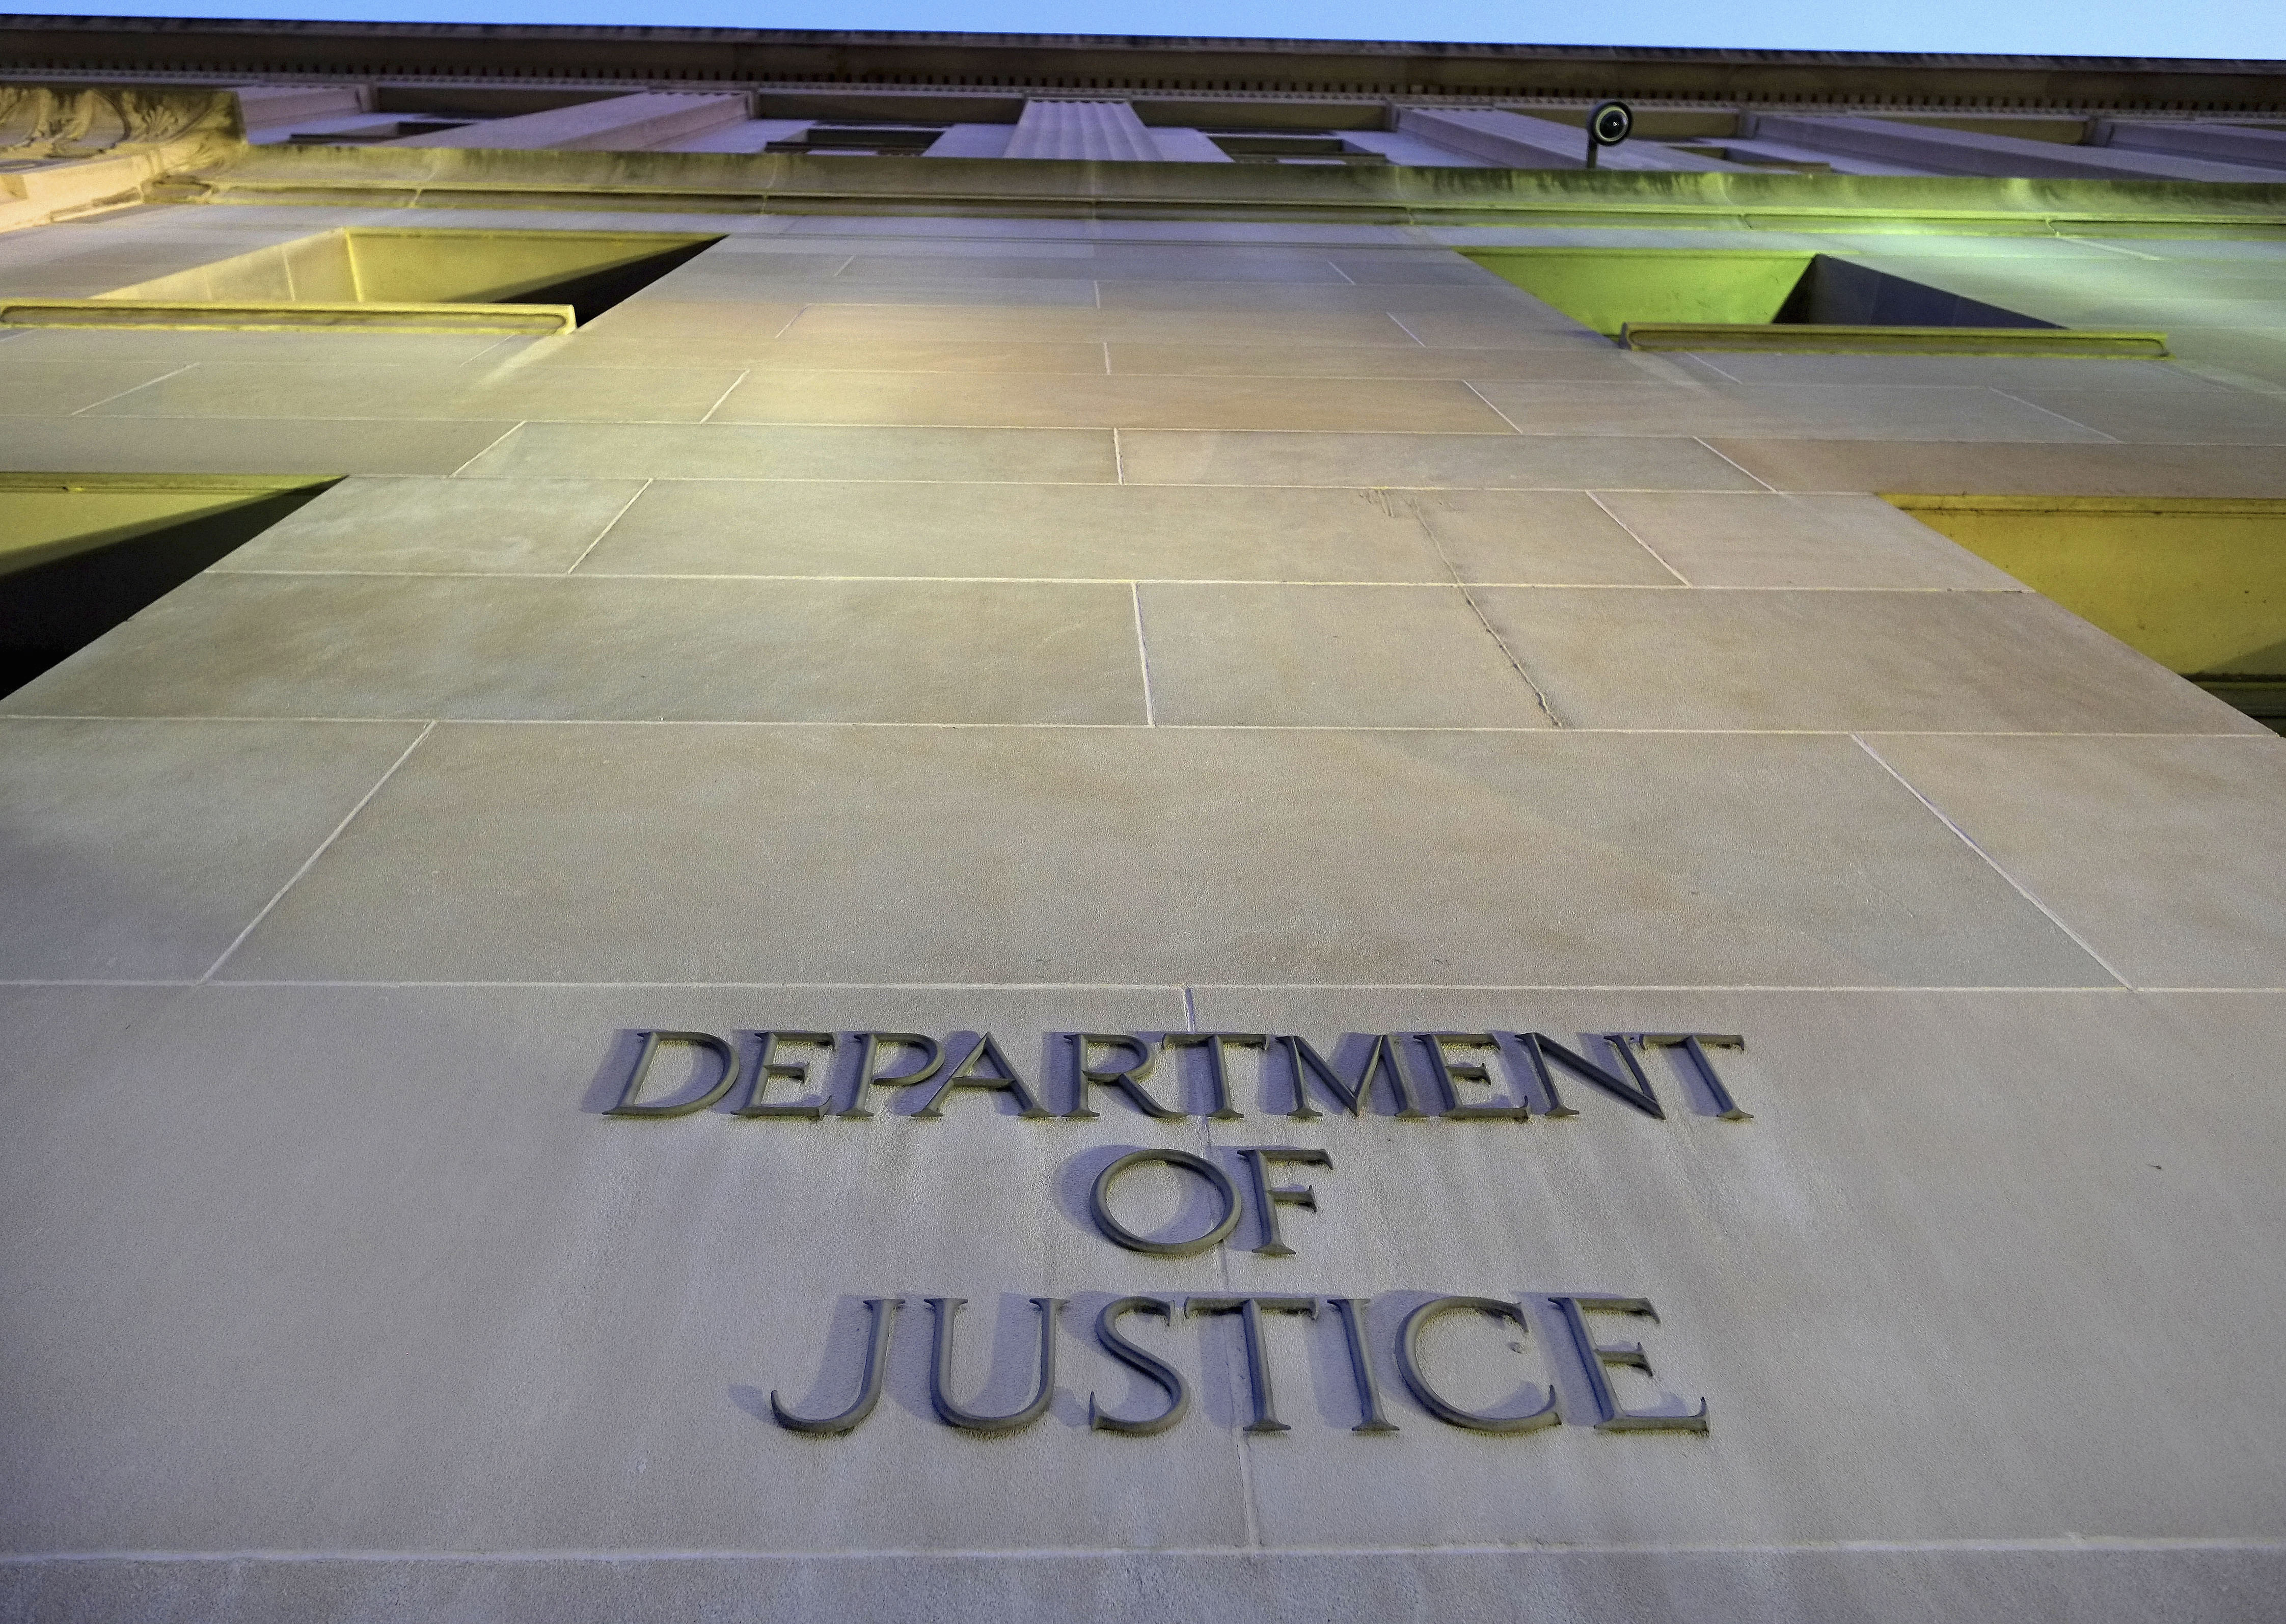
2086 27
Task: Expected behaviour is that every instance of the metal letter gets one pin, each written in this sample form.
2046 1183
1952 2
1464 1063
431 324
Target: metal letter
969 1077
870 1044
1450 1074
1409 1362
1119 1234
1352 1313
1268 1200
884 1310
1379 1060
721 1050
1594 1356
1106 1332
1695 1044
1541 1049
1251 1310
940 1370
767 1068
1129 1082
1218 1074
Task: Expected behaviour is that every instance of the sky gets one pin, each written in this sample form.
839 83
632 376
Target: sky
2240 29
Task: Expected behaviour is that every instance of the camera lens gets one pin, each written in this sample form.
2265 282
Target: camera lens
1612 123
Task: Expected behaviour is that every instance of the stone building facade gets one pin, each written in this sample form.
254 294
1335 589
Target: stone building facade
664 684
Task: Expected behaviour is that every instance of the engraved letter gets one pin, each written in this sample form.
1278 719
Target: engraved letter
940 1370
1217 1071
1106 1332
1251 1310
1268 1198
1695 1044
1451 1073
1127 1082
1381 1059
1539 1049
1119 1234
1352 1313
884 1310
1409 1362
869 1045
768 1068
707 1041
1005 1081
1594 1357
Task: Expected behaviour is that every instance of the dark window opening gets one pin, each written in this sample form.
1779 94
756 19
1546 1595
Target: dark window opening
1782 300
1291 146
366 134
84 553
869 140
590 295
1835 293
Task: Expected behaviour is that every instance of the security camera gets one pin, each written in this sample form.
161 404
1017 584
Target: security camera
1608 124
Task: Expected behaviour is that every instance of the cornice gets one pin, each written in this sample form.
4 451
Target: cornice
101 48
